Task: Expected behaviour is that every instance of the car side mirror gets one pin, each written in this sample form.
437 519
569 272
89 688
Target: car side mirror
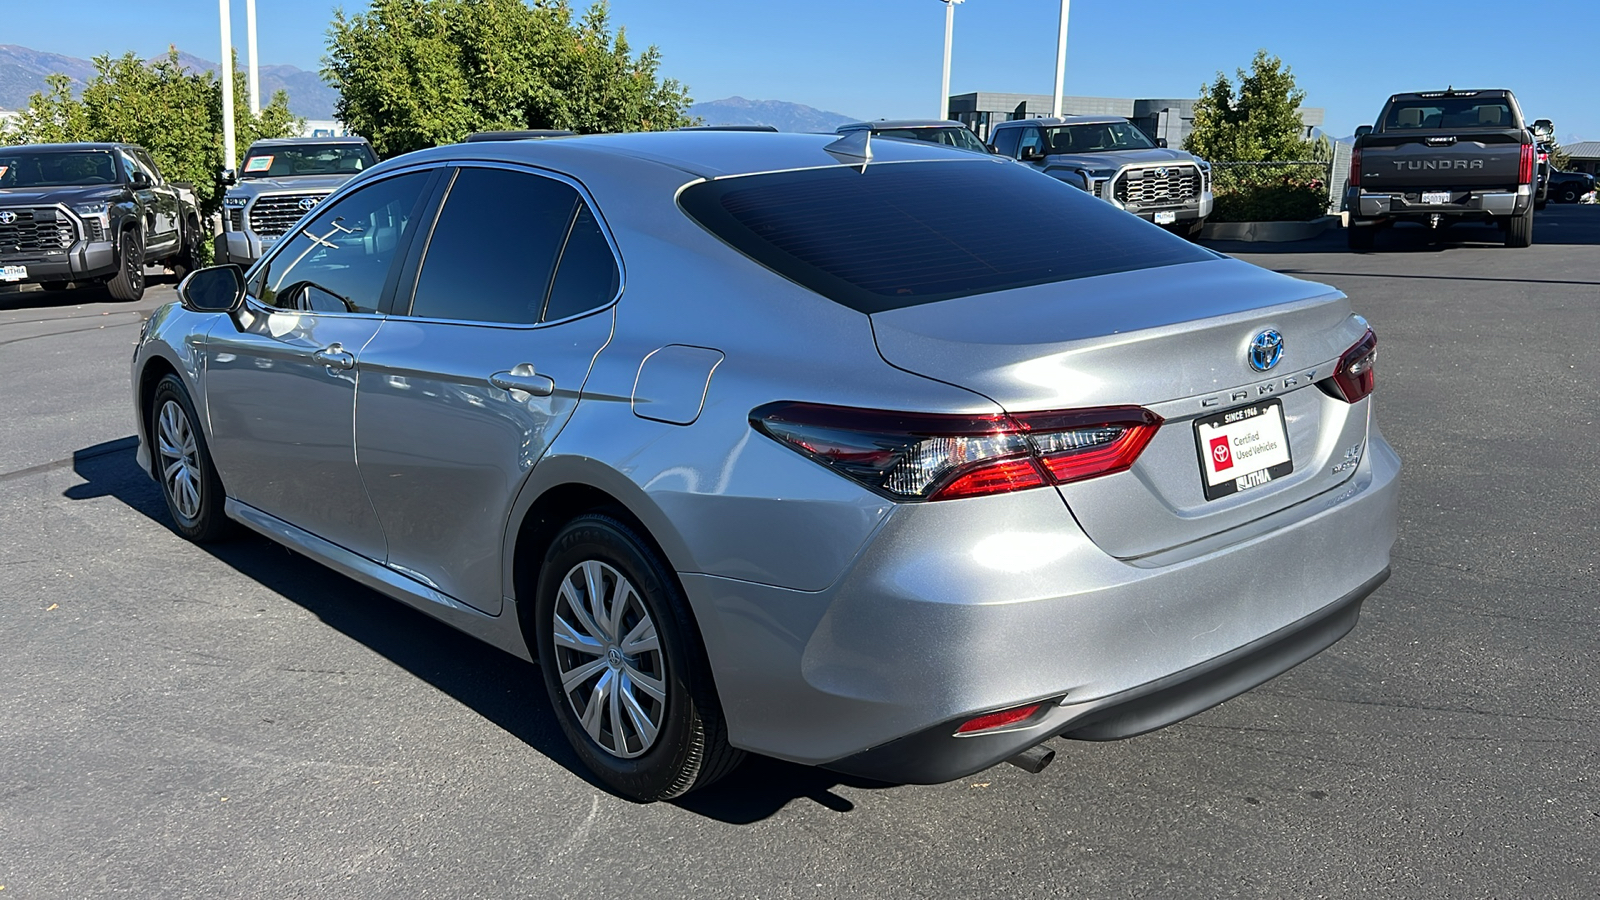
230 177
140 180
1031 154
213 289
1162 143
1363 130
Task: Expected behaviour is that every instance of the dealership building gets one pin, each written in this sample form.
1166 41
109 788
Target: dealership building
1585 157
1169 119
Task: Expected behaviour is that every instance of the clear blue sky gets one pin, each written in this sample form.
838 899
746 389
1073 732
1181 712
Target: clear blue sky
872 58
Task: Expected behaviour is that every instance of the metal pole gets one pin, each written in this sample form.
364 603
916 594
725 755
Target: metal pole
227 85
255 73
949 31
1061 59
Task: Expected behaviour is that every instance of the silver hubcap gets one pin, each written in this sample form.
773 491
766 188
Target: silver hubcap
180 469
609 659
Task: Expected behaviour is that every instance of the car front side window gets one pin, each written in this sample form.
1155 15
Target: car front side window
340 260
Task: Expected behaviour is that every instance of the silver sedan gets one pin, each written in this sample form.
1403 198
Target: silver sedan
870 455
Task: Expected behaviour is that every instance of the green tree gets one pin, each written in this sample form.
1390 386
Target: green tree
418 73
173 112
1258 123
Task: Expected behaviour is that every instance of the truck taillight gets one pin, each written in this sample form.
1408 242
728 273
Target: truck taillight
1525 172
1355 167
933 456
1355 376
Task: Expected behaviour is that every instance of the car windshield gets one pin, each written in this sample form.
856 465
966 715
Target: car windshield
40 169
903 234
1096 138
960 138
307 159
1448 112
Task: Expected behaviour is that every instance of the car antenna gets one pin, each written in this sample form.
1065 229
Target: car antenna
853 149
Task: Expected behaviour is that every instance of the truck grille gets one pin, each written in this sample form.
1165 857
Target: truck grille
1158 185
273 214
36 229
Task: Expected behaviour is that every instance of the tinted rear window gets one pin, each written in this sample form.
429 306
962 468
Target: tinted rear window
904 234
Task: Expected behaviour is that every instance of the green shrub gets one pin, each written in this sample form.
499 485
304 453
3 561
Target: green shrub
1291 192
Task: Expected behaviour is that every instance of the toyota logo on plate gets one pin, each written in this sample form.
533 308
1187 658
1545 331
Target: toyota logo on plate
1266 349
7 217
308 203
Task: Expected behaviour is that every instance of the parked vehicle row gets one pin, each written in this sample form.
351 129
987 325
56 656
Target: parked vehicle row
765 443
91 214
279 182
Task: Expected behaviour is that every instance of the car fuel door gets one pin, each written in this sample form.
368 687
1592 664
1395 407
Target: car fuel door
461 397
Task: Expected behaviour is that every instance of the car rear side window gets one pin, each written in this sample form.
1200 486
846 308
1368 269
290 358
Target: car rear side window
587 277
494 248
905 234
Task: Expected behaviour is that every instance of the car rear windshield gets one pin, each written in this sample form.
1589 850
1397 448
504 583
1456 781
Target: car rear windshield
1449 112
905 234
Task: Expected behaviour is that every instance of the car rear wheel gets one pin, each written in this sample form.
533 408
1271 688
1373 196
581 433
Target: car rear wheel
1519 230
189 481
623 664
1569 195
128 283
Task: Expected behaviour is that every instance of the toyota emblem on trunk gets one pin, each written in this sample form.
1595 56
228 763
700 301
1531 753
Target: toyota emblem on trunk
7 217
307 203
1266 349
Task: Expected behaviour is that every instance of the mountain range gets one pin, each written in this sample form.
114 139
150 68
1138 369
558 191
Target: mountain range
777 113
23 71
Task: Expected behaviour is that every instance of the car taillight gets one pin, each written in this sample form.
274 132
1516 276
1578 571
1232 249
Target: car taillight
1525 172
933 456
1355 167
1354 377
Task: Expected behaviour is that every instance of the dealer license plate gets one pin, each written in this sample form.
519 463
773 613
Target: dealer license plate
13 273
1435 197
1243 448
1166 218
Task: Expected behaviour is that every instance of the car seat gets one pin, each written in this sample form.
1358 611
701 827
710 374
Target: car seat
1489 115
1408 118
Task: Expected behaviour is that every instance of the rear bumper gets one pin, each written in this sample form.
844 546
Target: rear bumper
84 261
1467 203
959 608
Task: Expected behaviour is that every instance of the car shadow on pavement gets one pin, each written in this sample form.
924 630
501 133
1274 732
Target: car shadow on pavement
487 683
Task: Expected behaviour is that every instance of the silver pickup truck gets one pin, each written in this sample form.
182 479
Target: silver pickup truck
280 181
1111 158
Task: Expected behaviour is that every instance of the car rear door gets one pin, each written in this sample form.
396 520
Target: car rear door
281 381
466 385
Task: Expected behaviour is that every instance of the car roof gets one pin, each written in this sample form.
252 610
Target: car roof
887 124
1052 121
290 142
62 148
1487 94
703 154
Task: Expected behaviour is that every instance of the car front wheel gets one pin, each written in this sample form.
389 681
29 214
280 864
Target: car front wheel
189 481
128 283
624 666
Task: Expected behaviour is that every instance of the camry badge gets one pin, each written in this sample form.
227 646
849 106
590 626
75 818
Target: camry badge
1266 349
7 217
308 203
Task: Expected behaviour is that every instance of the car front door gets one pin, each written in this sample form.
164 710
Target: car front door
466 385
281 380
165 205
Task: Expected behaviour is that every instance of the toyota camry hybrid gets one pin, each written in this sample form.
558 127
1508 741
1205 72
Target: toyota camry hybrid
870 455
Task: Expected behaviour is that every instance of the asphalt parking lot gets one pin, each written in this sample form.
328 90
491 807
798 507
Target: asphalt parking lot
240 722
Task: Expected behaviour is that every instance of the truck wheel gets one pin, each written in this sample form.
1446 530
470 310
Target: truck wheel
1360 238
1519 230
188 258
128 283
1569 196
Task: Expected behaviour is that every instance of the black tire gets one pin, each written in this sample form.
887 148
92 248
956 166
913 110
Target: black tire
1519 230
55 285
1569 195
128 283
180 462
690 748
1360 238
188 258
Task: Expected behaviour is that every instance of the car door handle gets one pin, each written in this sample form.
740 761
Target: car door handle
525 381
335 356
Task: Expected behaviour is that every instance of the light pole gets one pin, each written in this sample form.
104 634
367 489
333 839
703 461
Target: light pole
255 74
1061 59
949 31
227 85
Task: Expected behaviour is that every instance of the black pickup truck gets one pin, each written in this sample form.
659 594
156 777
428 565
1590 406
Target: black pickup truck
91 214
1442 157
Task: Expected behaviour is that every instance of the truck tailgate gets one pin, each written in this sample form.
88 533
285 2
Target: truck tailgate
1412 161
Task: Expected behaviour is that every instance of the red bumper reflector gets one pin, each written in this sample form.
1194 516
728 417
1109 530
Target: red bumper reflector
1001 719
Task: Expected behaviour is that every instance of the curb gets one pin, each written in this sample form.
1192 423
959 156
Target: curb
1266 231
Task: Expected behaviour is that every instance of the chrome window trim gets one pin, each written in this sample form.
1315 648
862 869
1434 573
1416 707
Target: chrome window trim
537 171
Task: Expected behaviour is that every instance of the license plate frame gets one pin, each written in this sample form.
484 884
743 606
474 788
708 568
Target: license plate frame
11 274
1435 198
1258 431
1166 218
